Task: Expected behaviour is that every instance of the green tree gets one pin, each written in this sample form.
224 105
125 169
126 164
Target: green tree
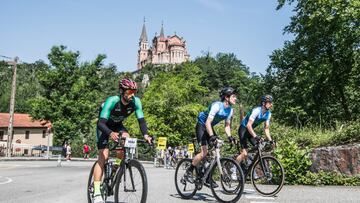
317 72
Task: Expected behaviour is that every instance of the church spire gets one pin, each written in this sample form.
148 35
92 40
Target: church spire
162 30
143 37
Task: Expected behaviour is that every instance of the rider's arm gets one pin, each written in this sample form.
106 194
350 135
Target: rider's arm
140 117
228 123
252 118
213 110
105 114
267 128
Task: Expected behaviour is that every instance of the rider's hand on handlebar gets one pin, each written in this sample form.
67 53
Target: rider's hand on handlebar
231 139
148 138
213 139
257 139
114 136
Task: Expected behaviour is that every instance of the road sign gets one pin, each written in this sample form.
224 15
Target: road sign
191 148
161 143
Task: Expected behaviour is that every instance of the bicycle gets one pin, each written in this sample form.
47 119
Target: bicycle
266 172
128 181
218 170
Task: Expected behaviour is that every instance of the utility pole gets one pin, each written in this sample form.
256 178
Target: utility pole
12 105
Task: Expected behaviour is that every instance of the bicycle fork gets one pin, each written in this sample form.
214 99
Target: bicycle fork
131 179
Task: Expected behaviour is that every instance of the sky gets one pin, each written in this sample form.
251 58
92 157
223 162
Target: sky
251 29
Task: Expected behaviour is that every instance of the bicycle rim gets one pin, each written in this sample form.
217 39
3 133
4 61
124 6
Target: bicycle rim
90 185
184 188
230 183
131 183
269 180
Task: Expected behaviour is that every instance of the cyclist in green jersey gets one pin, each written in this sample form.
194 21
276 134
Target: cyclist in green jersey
110 124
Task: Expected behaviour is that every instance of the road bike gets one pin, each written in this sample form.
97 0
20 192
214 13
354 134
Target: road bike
224 175
128 181
266 172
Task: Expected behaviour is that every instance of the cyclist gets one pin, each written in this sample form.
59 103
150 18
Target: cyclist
112 113
252 119
217 111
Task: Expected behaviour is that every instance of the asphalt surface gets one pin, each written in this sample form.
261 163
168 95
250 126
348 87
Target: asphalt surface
43 181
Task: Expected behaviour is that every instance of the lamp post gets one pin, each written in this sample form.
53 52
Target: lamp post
12 105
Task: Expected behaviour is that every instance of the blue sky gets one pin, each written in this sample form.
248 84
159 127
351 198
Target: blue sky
249 29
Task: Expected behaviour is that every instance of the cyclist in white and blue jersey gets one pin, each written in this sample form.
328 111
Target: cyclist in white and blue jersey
217 111
252 119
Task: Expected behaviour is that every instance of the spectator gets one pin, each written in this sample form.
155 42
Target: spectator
68 152
86 151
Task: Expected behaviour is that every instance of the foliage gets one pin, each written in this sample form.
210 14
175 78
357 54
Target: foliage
295 161
72 93
315 77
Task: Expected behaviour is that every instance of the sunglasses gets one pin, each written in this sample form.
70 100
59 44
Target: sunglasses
129 92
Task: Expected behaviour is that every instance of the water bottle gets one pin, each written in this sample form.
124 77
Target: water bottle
250 159
206 165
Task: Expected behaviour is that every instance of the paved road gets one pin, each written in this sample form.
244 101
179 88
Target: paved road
43 181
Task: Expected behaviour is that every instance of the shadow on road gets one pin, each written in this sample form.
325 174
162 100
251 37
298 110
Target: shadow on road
198 197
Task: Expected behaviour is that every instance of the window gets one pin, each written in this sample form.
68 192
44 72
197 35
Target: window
26 151
44 133
27 134
1 135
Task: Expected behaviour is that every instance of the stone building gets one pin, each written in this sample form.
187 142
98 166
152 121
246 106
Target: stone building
163 50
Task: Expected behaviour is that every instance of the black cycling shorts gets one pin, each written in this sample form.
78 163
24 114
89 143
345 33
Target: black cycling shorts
244 137
202 135
103 140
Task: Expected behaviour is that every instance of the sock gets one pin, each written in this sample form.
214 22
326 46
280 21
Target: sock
97 188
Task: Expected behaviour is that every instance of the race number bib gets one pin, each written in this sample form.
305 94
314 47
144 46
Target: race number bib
130 142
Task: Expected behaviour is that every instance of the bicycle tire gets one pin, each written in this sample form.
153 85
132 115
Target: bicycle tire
179 179
235 193
279 172
127 172
90 185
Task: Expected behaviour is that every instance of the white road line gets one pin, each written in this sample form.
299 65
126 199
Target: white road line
9 180
258 197
261 202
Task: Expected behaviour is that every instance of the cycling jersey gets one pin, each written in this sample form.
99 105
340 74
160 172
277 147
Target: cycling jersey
258 117
112 113
218 112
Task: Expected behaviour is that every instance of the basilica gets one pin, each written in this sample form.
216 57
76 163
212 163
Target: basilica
163 50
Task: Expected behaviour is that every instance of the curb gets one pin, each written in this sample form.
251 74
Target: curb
56 159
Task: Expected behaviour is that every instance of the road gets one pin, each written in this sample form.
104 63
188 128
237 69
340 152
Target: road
43 181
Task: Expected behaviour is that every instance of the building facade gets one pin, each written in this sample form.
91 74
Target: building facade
27 134
163 50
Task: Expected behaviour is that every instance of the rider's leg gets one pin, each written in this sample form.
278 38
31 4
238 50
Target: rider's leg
243 136
99 168
200 156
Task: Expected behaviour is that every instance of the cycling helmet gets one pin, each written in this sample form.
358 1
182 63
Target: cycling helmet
266 98
226 91
127 84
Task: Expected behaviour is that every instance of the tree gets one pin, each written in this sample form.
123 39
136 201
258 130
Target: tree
316 73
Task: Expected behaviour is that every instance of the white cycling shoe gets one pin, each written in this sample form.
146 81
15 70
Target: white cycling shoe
98 199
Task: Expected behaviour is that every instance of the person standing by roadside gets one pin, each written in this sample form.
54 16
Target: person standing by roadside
68 152
86 151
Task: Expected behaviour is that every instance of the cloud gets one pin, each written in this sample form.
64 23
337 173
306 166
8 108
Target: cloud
213 4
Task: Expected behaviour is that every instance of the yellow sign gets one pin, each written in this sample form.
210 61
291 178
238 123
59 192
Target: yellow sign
191 148
161 144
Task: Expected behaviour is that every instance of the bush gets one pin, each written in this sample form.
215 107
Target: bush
349 134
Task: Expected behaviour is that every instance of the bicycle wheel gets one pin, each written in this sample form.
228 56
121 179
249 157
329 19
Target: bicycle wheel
269 179
230 183
184 188
131 183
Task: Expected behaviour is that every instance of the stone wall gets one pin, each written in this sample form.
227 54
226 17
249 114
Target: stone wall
341 159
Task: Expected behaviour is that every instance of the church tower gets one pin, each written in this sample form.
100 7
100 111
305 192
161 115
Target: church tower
143 48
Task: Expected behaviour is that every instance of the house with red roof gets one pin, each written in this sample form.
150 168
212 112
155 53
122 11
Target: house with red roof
27 133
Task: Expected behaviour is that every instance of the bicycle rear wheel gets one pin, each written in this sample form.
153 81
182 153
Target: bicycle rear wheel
131 183
230 184
268 179
184 188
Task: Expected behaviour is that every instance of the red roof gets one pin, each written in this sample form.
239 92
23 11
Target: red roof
22 121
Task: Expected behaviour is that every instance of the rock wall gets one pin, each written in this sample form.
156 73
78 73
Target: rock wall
341 159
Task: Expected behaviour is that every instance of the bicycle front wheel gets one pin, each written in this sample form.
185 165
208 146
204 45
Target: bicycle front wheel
131 183
227 186
184 186
267 177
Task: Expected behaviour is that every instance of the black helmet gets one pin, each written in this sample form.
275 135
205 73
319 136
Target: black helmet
266 98
226 91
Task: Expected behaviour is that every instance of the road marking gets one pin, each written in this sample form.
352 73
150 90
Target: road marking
258 197
9 180
261 202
